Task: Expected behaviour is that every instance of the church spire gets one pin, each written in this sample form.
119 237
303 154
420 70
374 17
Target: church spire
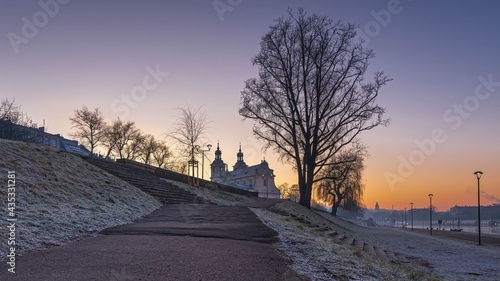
218 153
239 155
218 167
240 163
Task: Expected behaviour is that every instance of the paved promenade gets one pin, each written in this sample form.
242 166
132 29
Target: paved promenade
176 242
486 239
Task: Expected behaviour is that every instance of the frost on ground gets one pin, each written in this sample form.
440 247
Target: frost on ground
320 257
448 258
60 197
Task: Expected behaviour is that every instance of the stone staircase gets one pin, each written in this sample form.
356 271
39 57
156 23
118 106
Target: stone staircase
368 247
166 192
364 246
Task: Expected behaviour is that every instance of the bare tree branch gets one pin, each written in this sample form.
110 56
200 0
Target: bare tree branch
310 100
188 131
89 126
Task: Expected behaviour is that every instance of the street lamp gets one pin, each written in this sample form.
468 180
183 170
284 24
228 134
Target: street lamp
209 146
478 175
405 218
430 210
411 211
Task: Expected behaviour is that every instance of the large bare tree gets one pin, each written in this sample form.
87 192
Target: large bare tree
310 99
89 126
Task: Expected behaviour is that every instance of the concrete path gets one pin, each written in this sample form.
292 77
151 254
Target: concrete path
231 222
176 242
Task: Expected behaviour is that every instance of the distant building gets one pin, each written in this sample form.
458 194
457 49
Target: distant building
491 212
258 178
11 131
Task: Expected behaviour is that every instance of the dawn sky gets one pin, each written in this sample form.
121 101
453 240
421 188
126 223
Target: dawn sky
141 60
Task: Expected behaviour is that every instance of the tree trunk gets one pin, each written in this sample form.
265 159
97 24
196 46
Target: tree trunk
305 195
335 208
304 199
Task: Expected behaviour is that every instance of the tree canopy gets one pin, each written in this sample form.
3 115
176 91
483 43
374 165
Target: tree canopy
310 99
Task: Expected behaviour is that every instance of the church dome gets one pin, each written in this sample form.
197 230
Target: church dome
218 153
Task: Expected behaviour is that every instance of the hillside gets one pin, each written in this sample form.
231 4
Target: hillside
60 197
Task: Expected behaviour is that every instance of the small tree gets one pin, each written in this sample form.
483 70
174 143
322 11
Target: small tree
89 126
9 110
160 154
289 192
283 188
118 136
134 148
342 182
12 111
148 147
189 130
110 136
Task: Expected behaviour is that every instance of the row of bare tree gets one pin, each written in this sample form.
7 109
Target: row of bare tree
118 139
123 140
310 103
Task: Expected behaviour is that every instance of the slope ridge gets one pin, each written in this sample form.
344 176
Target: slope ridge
60 197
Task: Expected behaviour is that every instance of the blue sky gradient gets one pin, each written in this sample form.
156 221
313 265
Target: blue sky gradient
94 52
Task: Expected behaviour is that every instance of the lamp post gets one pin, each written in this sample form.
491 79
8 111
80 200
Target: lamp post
405 219
430 211
411 211
192 164
478 176
209 146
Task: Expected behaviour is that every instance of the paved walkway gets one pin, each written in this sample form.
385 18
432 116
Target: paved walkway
176 242
486 239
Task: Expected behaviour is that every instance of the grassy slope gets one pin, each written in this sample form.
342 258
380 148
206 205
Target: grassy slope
60 197
319 256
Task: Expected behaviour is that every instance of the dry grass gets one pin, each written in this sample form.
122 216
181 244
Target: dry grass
321 257
60 197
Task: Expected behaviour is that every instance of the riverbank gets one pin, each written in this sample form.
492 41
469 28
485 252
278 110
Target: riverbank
450 255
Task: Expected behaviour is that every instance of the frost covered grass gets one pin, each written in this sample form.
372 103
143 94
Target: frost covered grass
321 257
449 258
60 197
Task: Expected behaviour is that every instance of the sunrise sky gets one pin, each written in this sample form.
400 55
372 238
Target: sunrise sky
444 101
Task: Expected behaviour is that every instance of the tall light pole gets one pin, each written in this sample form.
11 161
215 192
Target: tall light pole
209 146
430 210
411 211
405 218
478 176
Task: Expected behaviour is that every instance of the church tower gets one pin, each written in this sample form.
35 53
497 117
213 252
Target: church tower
218 167
239 162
